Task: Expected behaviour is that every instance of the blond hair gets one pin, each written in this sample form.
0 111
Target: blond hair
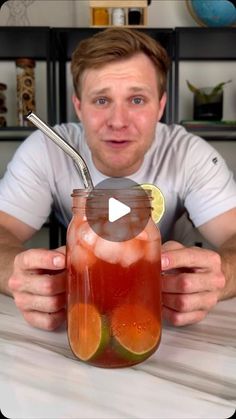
115 44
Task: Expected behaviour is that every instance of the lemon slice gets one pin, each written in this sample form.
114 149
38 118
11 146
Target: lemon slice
158 202
88 331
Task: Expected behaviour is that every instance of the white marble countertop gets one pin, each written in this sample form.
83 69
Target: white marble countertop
192 375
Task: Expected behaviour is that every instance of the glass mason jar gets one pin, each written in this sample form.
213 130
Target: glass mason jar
113 287
25 83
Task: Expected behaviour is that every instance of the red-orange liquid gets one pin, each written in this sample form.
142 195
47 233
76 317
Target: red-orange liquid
109 286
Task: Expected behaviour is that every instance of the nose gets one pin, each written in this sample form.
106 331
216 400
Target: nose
118 117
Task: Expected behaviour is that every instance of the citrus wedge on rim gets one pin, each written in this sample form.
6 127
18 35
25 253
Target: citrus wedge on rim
88 331
158 201
136 332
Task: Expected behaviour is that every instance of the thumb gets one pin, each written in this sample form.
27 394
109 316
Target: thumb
61 249
171 245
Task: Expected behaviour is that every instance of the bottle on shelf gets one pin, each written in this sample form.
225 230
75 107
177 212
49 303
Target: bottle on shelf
25 82
118 16
134 16
100 16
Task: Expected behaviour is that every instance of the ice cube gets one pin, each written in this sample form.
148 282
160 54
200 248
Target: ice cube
152 251
117 232
142 235
81 258
108 251
133 251
86 235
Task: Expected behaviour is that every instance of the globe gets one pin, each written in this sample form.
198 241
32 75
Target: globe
216 13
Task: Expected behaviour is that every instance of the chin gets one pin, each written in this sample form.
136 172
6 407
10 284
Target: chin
118 171
112 166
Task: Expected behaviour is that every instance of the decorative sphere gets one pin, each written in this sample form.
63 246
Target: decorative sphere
216 13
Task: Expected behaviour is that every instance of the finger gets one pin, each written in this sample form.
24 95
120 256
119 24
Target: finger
29 302
38 284
45 321
188 283
185 303
192 257
39 259
182 319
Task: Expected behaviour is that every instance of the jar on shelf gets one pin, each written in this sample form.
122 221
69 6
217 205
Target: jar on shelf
118 16
134 16
3 108
25 82
100 16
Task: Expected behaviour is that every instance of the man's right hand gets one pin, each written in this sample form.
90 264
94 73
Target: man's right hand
38 285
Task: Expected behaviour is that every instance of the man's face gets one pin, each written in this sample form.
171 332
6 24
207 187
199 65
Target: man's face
119 109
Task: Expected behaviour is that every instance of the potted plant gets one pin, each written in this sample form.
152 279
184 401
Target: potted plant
207 102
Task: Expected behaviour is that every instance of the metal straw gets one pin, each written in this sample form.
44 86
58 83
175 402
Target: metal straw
66 147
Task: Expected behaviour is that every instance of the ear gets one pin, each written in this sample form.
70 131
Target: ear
77 106
162 105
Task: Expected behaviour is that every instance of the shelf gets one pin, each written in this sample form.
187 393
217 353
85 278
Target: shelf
212 130
201 44
124 26
214 135
24 42
123 4
15 133
206 43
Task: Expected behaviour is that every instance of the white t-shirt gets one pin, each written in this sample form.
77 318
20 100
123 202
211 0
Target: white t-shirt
189 171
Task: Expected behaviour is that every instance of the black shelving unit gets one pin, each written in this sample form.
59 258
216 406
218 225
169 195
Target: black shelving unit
55 46
202 44
28 42
35 43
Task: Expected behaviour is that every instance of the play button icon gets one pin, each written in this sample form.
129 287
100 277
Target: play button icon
118 209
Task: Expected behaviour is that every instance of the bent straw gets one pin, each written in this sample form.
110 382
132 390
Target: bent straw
66 147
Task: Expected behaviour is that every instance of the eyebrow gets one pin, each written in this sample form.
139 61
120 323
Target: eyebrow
132 89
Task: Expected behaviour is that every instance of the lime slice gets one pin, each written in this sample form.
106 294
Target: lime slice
158 201
88 331
136 332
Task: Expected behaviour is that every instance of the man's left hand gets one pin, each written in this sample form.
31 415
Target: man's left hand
191 282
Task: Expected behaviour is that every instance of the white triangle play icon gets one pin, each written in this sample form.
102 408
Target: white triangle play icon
116 209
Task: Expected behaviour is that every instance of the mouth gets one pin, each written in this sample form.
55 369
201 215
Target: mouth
117 143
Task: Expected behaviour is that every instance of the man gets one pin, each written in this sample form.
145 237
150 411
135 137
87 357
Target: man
119 78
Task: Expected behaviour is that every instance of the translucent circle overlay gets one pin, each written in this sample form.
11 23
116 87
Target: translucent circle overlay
126 192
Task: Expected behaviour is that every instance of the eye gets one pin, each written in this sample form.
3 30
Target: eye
138 100
101 101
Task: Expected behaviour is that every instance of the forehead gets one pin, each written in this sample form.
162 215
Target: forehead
139 68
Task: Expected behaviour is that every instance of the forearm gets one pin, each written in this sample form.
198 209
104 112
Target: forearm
10 246
228 257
